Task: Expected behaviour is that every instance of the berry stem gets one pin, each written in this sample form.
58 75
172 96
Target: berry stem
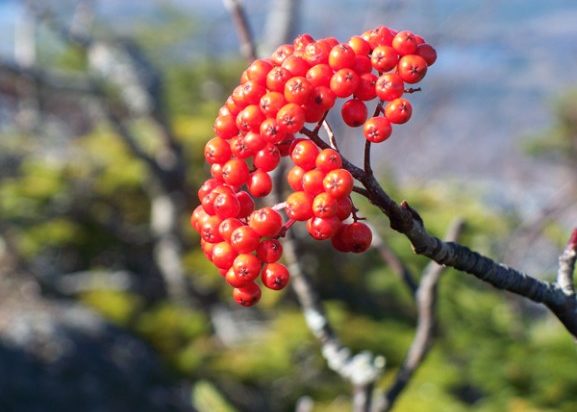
279 206
413 90
285 228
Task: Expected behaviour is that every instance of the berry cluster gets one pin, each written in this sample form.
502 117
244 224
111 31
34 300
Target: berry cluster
256 127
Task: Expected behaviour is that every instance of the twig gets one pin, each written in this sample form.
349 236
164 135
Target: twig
367 157
426 324
567 266
394 262
247 46
331 135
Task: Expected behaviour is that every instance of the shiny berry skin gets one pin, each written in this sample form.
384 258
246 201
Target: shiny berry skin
412 68
247 295
381 36
234 280
223 255
297 66
209 230
313 182
226 205
338 183
384 58
366 88
389 86
377 129
319 75
225 126
328 159
247 267
276 79
304 154
405 43
249 118
267 158
299 206
354 112
295 178
227 226
269 250
271 102
244 239
275 276
260 183
282 52
358 236
359 45
298 90
342 56
235 172
254 141
323 98
239 148
323 228
324 205
344 82
398 111
246 204
197 218
344 207
258 70
292 117
217 150
266 222
362 65
339 240
206 188
427 52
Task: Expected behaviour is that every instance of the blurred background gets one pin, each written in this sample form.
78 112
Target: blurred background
106 300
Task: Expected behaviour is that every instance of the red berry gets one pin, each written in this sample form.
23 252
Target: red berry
377 129
358 236
260 183
405 43
247 295
217 150
304 154
338 183
313 182
226 205
267 158
223 255
427 52
275 276
271 103
282 52
412 68
258 70
246 267
324 205
389 86
276 79
342 56
209 230
299 206
297 90
344 207
225 127
384 58
244 239
323 228
344 82
292 117
297 66
269 250
295 178
249 118
398 111
227 226
328 159
366 88
359 45
235 172
354 112
319 75
246 204
266 222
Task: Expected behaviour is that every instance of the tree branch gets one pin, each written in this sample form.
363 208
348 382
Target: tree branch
567 266
426 324
247 46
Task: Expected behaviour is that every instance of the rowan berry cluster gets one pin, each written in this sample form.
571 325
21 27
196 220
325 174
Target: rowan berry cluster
256 127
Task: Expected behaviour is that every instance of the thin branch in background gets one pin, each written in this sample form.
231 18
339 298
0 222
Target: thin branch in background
567 266
426 324
242 26
394 262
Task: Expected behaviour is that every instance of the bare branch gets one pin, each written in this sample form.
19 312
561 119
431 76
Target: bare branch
247 46
331 135
426 325
394 262
567 266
